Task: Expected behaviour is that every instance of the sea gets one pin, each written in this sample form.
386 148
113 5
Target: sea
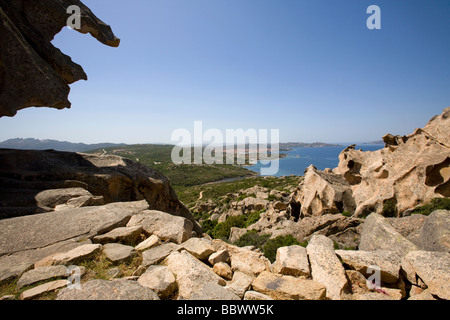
298 159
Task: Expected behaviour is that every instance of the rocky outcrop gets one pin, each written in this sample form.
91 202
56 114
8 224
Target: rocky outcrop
320 193
36 181
27 28
410 171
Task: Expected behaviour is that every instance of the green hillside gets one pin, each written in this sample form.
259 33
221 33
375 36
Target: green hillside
158 157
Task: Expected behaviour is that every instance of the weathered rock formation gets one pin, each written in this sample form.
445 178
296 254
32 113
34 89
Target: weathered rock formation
33 73
37 181
408 172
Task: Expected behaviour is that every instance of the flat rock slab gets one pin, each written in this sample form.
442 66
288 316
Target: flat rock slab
45 229
108 290
148 243
258 296
240 283
326 267
199 247
117 253
432 267
386 261
41 274
220 256
13 266
281 287
157 254
164 225
71 257
53 197
213 291
124 235
36 292
159 279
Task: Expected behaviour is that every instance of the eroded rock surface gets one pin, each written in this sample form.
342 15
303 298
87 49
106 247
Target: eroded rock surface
33 73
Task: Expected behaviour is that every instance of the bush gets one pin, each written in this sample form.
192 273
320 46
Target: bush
435 204
390 208
223 229
271 246
208 226
252 238
252 218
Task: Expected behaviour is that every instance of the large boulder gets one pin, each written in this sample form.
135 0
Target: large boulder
163 225
387 261
378 234
292 261
108 290
26 174
321 193
26 31
159 279
196 281
326 267
281 287
433 268
435 233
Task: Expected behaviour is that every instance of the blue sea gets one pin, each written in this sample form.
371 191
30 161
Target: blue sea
298 159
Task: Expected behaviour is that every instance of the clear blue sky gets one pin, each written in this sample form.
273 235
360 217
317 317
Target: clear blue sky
310 68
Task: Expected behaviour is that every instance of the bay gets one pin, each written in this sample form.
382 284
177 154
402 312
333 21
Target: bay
298 159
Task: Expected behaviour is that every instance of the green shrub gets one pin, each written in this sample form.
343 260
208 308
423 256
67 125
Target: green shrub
271 197
208 226
347 214
271 246
223 229
252 218
435 204
390 208
252 238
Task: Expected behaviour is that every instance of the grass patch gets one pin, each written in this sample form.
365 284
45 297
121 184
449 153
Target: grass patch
8 288
97 268
347 214
435 204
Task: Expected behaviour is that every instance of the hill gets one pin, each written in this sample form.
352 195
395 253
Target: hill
158 157
36 144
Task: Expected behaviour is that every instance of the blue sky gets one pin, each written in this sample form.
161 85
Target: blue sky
310 68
